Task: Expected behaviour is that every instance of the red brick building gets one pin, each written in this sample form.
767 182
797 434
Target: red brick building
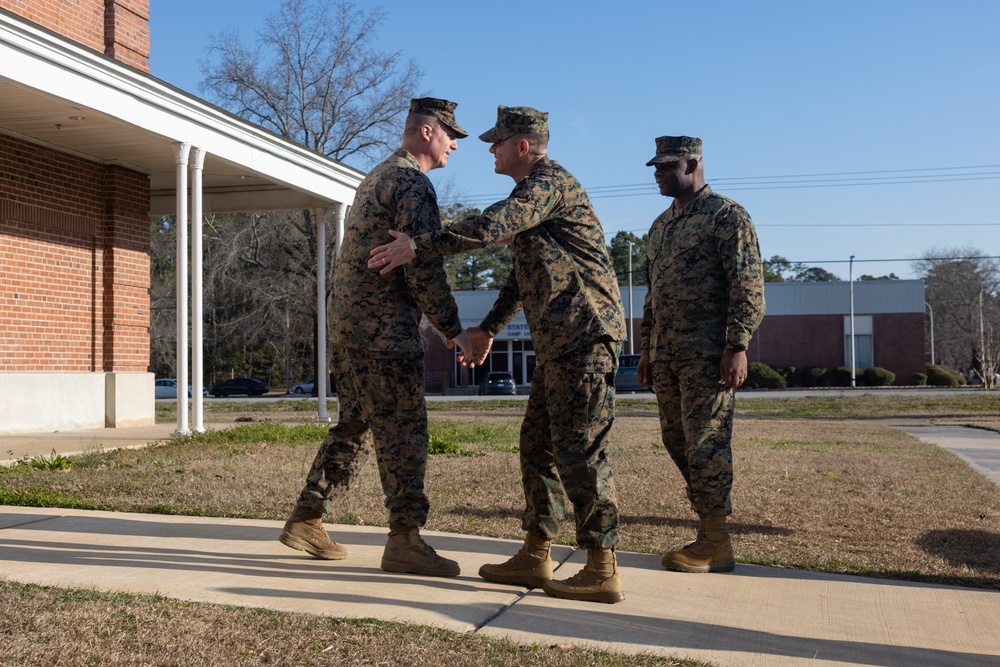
809 324
90 146
806 324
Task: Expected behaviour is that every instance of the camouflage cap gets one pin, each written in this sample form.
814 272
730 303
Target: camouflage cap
516 120
670 149
443 110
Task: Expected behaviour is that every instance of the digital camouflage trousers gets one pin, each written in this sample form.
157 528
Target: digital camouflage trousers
696 423
382 407
563 443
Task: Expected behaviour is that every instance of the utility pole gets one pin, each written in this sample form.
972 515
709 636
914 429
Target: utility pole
629 330
851 278
931 312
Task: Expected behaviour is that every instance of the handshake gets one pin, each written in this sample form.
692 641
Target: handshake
473 345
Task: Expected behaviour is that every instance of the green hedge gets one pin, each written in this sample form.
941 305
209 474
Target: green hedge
841 376
879 377
762 376
812 376
790 373
942 376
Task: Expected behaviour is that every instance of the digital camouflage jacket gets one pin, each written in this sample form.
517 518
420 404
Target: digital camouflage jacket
705 280
382 313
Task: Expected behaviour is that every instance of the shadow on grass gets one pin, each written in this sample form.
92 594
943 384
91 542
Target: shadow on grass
735 527
974 549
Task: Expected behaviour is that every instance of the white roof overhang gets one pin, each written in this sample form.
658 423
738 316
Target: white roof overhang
56 93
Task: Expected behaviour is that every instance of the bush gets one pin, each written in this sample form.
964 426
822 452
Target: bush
762 376
879 377
790 373
942 376
841 376
919 379
812 376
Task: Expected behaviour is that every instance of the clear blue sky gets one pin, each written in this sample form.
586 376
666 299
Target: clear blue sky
883 114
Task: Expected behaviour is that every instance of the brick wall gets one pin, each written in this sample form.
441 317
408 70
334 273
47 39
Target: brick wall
126 274
899 344
126 32
74 263
118 28
818 340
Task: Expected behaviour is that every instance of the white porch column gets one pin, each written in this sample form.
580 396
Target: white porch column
341 216
181 151
197 289
322 374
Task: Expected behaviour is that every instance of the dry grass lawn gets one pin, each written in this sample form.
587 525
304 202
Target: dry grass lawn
823 485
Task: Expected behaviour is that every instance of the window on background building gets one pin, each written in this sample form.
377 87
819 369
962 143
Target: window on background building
864 351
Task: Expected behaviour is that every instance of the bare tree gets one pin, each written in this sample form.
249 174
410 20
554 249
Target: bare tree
313 76
962 287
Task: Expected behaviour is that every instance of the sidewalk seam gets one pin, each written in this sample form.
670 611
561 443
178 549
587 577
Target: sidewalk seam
28 523
502 610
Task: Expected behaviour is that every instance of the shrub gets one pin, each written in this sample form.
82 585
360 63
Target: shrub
841 376
790 373
812 376
762 376
919 379
879 377
942 376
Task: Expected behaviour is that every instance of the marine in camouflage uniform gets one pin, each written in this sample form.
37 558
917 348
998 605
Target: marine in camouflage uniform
705 299
377 351
564 280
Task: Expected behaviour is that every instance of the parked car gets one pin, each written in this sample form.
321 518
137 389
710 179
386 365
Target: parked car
304 387
167 388
331 387
627 378
498 383
238 386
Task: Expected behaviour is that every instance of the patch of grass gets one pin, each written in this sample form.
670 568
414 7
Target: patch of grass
39 624
439 445
41 497
54 461
266 432
862 404
97 458
473 432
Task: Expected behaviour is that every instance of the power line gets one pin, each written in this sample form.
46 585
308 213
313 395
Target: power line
793 181
868 225
871 261
875 224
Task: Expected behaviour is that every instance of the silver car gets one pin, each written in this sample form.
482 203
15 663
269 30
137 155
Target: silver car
167 388
627 379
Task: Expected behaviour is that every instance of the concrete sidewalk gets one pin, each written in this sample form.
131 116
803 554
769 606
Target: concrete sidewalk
33 445
977 447
755 616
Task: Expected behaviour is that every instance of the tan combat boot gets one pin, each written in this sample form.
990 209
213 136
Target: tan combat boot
711 552
407 552
304 531
598 581
531 566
